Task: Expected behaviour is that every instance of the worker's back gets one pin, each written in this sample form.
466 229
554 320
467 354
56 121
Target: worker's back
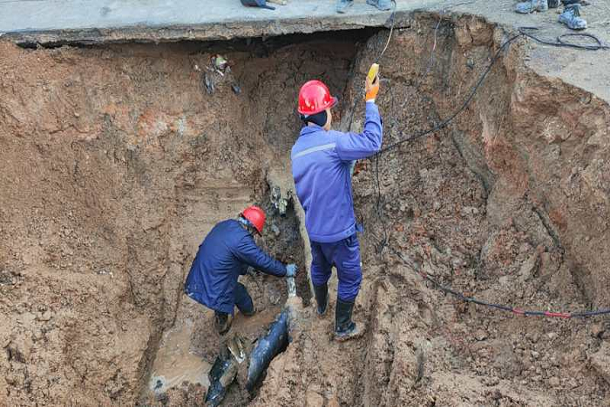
226 252
215 270
321 169
323 185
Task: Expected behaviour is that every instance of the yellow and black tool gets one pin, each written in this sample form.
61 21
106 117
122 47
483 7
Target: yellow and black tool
373 78
373 73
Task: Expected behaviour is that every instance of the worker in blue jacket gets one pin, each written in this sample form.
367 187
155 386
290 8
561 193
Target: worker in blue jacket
224 255
321 161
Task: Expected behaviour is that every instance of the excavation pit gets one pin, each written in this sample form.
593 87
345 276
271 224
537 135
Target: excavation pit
117 160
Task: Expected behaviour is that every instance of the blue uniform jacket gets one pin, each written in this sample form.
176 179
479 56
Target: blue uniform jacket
225 253
321 170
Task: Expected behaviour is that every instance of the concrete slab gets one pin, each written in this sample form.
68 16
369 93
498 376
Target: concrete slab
88 21
49 22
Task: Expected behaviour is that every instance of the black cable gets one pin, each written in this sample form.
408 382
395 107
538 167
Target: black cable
379 210
378 207
522 32
507 308
463 107
559 42
442 125
393 18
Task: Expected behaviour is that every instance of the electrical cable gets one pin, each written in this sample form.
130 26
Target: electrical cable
559 42
393 18
463 107
522 32
515 310
384 242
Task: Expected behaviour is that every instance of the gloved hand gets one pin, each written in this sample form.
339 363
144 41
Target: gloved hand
372 88
291 270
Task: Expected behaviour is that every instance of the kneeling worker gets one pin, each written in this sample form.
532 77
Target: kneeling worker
224 255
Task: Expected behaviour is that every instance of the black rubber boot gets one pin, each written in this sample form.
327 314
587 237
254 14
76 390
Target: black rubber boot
345 328
249 313
321 293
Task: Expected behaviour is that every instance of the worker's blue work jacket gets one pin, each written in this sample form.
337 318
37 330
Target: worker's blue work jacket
321 169
225 253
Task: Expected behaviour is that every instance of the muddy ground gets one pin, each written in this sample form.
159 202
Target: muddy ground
504 205
116 162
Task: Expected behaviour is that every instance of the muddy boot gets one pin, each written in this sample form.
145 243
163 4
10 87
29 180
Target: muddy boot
530 6
571 17
345 328
343 5
222 322
321 293
382 5
251 312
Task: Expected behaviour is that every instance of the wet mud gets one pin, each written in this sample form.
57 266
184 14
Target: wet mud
116 161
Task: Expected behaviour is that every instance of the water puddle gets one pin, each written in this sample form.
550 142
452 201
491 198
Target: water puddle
175 364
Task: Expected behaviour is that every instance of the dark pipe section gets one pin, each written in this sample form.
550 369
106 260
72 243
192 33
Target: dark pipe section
221 375
267 348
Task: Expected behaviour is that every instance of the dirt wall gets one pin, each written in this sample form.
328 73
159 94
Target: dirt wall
481 206
114 164
116 161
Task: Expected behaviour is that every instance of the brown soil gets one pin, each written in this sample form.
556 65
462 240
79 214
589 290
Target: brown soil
115 163
497 206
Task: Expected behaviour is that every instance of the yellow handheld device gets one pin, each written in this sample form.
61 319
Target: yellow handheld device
373 72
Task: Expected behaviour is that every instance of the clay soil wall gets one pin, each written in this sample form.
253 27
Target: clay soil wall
115 162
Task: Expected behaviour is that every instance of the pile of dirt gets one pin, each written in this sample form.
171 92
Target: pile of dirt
115 162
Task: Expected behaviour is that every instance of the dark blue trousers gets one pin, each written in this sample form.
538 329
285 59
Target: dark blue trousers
345 256
243 301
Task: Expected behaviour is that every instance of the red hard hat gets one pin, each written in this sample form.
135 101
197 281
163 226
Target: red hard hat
314 97
256 216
